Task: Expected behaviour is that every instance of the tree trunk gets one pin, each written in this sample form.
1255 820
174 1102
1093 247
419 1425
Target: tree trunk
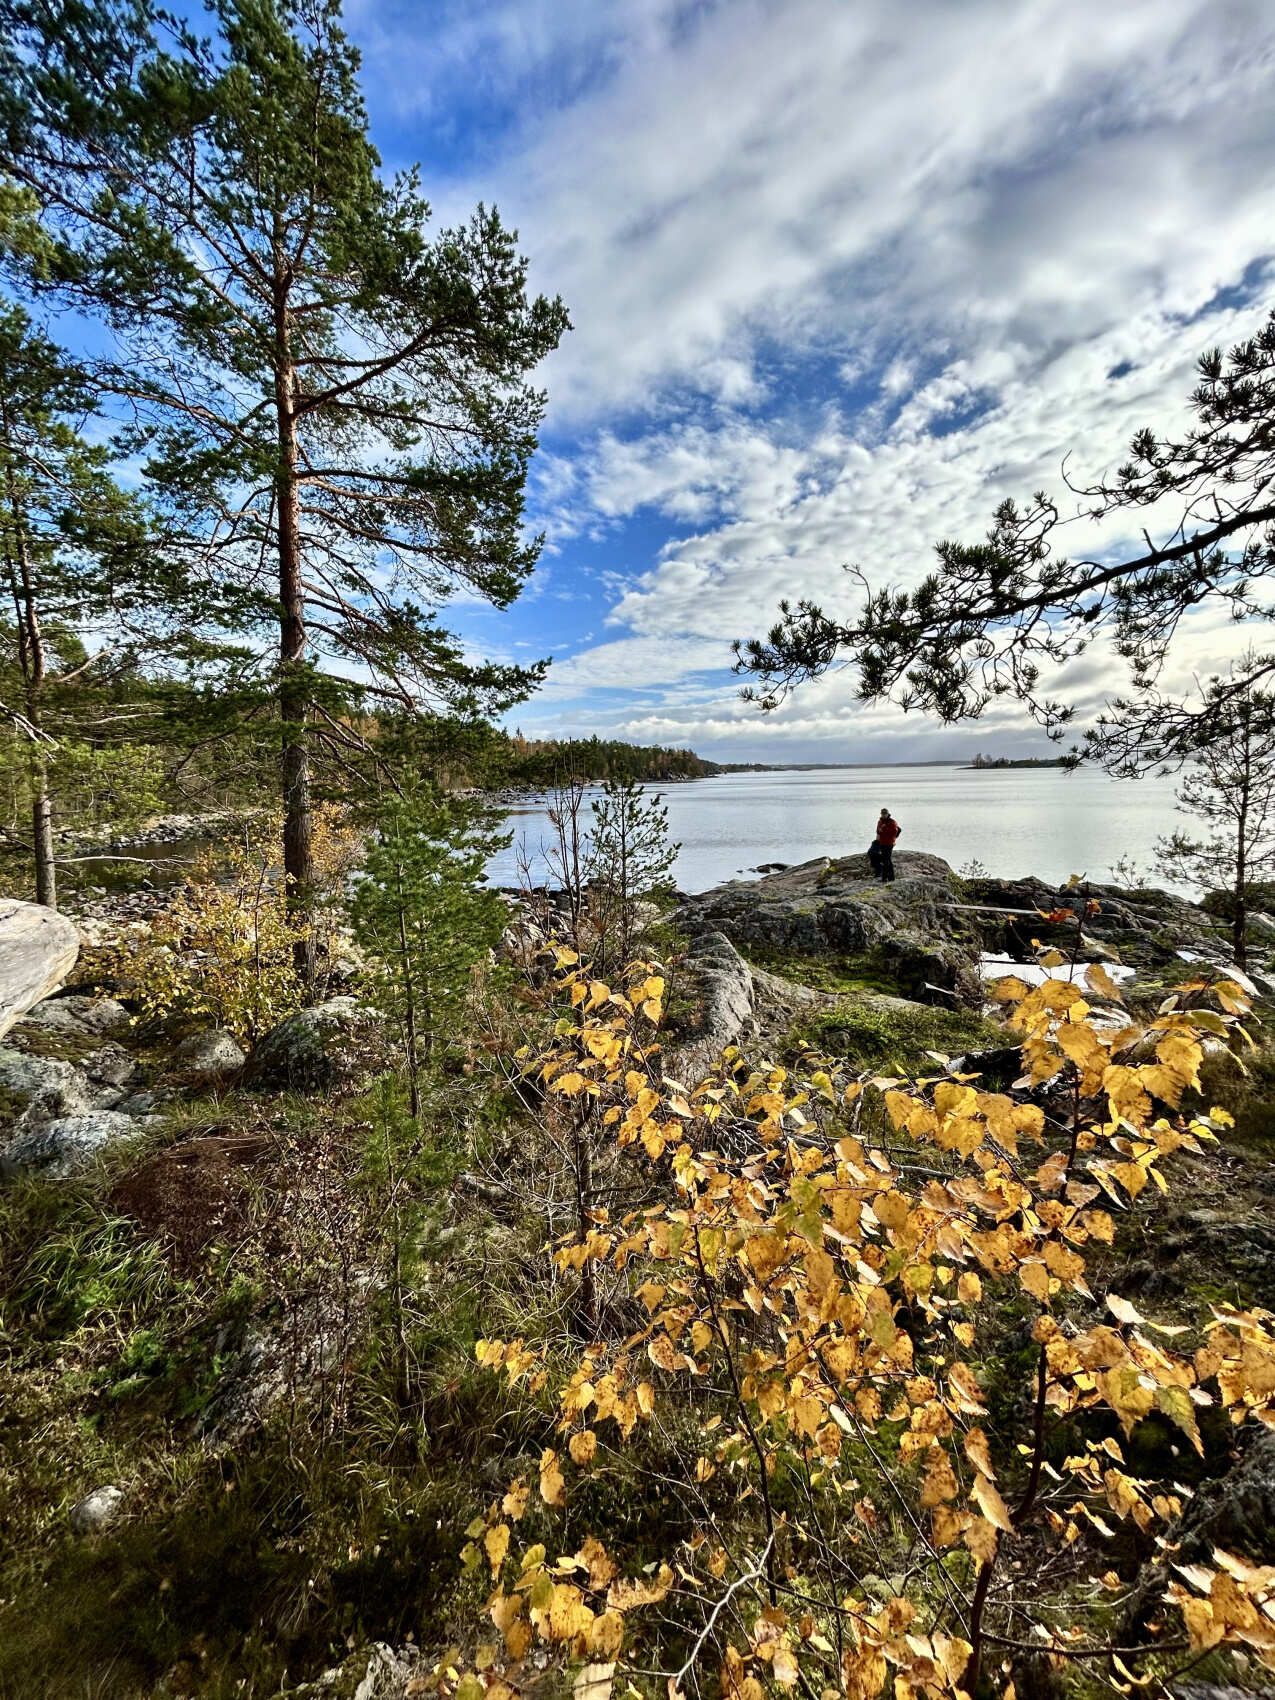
46 874
298 855
1239 924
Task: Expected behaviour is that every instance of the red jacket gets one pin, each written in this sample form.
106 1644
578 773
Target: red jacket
888 831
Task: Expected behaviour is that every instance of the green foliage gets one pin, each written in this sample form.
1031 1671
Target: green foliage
542 761
1230 790
79 563
94 785
630 858
419 915
334 401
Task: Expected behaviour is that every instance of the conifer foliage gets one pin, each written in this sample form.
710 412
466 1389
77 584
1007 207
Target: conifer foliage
422 918
89 594
334 406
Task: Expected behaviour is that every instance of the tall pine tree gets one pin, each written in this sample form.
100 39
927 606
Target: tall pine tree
336 407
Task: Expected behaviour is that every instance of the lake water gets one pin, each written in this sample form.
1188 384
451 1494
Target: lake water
1013 821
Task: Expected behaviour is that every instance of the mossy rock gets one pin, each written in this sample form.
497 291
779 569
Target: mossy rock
873 1029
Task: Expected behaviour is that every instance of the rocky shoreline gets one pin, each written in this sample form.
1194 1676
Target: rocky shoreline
759 953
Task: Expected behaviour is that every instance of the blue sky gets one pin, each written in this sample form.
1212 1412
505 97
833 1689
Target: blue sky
842 276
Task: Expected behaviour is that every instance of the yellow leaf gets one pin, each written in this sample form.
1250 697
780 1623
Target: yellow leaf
979 1453
980 1537
784 1666
1123 1311
624 1595
606 1635
987 1497
653 1140
940 1482
514 1504
496 1541
593 1682
582 1446
1100 981
551 1481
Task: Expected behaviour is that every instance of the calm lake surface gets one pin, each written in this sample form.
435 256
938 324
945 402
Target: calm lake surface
1014 821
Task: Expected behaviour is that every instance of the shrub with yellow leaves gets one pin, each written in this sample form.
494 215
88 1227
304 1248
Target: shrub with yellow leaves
223 950
828 1299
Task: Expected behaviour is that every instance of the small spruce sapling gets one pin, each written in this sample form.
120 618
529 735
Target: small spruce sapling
420 915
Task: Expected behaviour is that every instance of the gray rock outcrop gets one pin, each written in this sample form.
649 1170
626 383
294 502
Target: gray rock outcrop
38 949
715 990
314 1048
39 1089
1142 928
60 1147
833 907
212 1055
79 1013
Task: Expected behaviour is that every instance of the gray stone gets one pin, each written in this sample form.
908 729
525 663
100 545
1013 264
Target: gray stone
287 1358
111 1066
314 1048
60 1147
214 1055
38 949
97 1510
44 1087
78 1012
147 1101
389 1670
718 984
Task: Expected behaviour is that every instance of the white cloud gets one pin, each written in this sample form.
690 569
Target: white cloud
811 173
976 211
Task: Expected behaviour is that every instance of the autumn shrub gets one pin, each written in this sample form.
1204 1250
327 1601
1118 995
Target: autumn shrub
832 1294
222 951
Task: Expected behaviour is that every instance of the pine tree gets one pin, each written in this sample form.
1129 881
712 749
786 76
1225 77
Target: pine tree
335 407
80 563
420 915
1231 789
996 617
630 857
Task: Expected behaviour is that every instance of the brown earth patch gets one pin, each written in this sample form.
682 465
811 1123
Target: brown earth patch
193 1193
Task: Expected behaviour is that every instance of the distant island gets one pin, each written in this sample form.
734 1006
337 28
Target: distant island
982 762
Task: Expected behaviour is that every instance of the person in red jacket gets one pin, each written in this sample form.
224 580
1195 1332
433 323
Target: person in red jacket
888 830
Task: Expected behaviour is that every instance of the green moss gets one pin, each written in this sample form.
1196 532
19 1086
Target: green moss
875 1031
56 1044
835 974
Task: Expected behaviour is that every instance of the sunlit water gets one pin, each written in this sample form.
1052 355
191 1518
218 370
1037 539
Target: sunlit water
1013 821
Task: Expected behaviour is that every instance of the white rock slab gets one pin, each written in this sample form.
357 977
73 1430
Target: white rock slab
38 949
